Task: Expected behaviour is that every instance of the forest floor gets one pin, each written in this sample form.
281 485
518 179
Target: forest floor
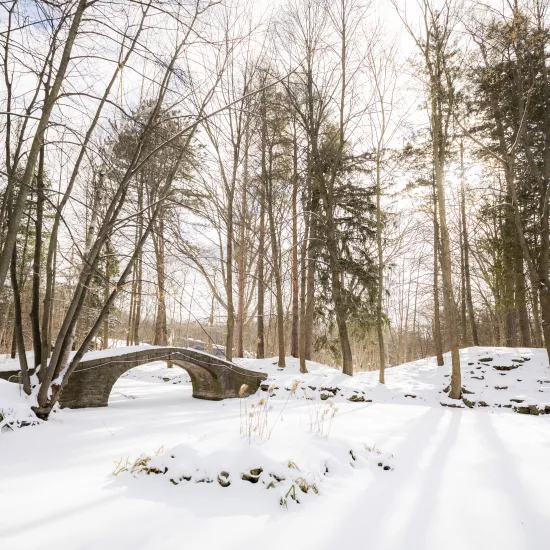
400 472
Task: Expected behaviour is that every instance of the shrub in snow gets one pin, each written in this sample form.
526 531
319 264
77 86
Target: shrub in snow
15 408
290 481
253 415
11 419
321 413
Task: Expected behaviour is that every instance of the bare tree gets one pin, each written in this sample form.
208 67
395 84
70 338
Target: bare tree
435 43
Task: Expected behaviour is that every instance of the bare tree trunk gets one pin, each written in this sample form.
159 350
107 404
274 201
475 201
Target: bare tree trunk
37 262
230 324
406 335
312 246
161 329
18 340
260 339
463 323
267 173
380 292
139 271
545 308
401 314
18 329
509 277
413 350
278 288
129 332
130 338
303 299
466 244
437 320
448 300
106 293
310 302
544 262
537 328
48 309
5 326
521 300
210 347
192 298
93 227
242 256
294 266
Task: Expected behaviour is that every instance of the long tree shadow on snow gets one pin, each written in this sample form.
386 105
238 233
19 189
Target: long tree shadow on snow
374 509
513 487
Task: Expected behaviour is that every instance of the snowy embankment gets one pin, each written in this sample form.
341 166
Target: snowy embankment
516 379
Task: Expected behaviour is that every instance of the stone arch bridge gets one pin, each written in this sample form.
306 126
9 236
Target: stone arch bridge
93 379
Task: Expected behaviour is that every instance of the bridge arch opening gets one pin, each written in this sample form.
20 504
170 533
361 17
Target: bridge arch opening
202 383
155 380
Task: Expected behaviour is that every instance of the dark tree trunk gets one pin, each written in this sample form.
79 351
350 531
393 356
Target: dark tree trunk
294 268
437 316
303 285
18 328
260 339
241 283
276 269
138 269
161 329
380 288
230 324
521 300
36 265
310 276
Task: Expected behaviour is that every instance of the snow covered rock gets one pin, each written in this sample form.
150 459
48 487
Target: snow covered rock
236 465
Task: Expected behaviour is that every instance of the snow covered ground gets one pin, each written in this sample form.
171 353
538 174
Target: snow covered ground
508 378
473 478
